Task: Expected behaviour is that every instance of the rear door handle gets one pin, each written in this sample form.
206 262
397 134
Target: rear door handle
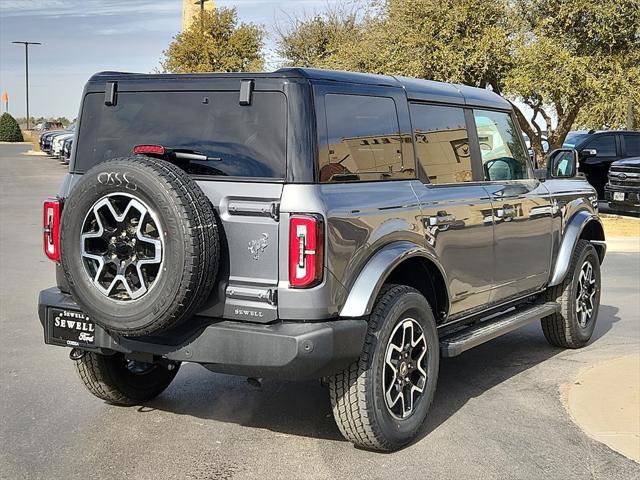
441 219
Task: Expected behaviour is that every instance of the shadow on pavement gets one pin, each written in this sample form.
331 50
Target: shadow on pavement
303 408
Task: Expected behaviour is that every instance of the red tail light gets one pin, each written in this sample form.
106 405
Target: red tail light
51 229
152 149
306 256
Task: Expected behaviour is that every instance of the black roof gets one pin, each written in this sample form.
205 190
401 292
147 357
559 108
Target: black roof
417 89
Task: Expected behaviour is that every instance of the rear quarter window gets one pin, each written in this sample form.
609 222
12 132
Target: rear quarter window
363 140
240 141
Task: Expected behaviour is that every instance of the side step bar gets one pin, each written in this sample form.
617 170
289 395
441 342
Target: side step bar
458 342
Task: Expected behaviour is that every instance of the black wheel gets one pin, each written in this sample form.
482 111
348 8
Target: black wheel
120 381
579 299
381 401
139 245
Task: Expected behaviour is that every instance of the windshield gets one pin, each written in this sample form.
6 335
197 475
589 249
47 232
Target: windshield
240 141
574 138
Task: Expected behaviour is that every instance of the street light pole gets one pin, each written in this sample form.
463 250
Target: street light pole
26 71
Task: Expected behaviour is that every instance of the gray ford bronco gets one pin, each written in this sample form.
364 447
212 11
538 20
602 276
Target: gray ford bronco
309 224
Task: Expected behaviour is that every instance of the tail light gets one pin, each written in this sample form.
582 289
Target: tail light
306 256
51 229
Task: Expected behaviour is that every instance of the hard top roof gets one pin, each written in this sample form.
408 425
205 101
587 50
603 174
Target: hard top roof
416 89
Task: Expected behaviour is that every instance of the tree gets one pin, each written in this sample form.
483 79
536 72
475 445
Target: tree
313 41
9 129
217 44
568 55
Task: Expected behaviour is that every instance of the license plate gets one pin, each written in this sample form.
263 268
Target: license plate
618 196
71 327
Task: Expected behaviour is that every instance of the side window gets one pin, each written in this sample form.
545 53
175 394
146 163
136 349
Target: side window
502 150
632 144
605 145
364 141
442 143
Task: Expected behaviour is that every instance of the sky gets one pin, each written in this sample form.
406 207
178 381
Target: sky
82 37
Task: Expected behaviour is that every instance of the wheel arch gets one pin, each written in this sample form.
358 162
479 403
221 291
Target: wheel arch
398 263
583 225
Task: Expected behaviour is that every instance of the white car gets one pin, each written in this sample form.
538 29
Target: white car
58 142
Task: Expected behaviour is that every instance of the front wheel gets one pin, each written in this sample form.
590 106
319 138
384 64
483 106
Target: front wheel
121 381
381 401
579 299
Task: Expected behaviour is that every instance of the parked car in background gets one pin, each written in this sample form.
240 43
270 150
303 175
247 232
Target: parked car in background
58 142
66 150
599 149
46 138
48 126
623 189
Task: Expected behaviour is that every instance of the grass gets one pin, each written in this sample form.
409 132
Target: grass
619 226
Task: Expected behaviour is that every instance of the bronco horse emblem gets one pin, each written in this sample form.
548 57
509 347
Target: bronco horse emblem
256 247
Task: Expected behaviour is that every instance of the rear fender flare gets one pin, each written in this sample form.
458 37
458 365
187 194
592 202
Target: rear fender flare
365 289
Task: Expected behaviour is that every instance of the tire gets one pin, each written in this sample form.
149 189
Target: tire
358 393
567 328
110 379
179 244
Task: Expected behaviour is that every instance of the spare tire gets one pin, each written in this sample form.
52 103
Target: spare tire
139 245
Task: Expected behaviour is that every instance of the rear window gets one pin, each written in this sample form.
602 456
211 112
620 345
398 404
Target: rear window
239 141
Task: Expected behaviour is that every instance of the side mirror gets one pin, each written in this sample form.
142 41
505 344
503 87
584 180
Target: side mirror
588 152
562 163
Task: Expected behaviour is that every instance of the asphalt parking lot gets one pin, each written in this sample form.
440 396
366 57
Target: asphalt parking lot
498 411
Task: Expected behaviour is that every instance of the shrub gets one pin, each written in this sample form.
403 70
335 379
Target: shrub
9 129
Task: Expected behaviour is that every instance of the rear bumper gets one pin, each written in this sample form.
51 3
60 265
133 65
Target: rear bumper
290 350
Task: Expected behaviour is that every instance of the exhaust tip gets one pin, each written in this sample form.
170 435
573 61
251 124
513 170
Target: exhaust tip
254 382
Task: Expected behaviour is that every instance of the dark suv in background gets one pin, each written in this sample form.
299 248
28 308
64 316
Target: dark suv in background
599 149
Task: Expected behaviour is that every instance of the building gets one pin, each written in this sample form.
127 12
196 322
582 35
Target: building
191 11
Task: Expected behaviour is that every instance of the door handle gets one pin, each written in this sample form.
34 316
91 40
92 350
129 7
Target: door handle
441 219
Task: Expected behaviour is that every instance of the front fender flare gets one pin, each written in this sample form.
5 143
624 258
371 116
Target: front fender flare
572 232
365 289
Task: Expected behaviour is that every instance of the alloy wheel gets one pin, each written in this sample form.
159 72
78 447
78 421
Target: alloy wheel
122 246
405 371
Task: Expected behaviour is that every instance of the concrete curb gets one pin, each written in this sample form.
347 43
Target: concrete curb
34 153
604 401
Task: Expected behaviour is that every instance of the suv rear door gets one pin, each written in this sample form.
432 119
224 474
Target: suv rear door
456 211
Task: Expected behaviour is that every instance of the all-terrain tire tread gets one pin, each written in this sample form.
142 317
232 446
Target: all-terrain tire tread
347 389
557 328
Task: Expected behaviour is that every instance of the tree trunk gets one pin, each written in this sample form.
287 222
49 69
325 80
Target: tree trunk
535 137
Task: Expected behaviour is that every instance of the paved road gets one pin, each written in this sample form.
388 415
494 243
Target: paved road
497 414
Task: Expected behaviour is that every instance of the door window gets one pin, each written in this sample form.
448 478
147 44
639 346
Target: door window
501 147
605 145
364 141
442 143
632 144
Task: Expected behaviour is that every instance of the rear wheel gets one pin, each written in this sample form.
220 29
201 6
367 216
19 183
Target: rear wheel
121 381
579 299
381 401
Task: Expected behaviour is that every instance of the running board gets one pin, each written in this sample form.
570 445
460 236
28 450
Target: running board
458 342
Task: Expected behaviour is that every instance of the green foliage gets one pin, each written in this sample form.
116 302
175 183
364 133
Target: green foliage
571 55
9 129
217 44
313 41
